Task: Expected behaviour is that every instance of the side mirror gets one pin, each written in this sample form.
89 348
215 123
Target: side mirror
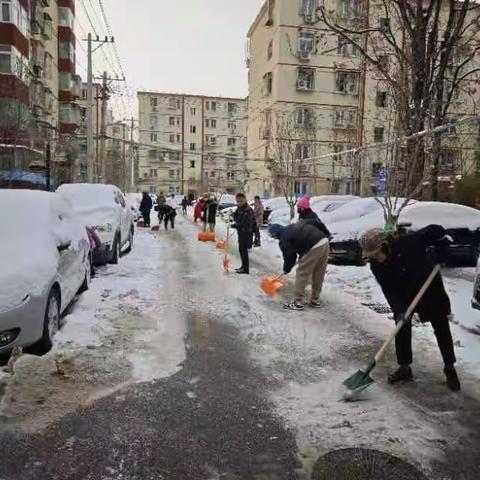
64 246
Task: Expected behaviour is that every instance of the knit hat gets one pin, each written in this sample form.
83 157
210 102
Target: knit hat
372 241
276 230
303 203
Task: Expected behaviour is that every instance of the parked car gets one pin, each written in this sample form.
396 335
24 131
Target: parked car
104 208
462 224
476 289
133 201
45 259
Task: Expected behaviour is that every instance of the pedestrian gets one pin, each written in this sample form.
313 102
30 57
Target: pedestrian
169 216
401 265
145 208
197 211
306 214
258 212
307 242
210 213
243 219
172 202
184 205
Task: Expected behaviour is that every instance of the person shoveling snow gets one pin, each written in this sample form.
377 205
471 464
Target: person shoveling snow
401 265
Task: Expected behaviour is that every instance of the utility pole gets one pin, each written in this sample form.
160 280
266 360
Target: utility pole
103 126
90 153
91 175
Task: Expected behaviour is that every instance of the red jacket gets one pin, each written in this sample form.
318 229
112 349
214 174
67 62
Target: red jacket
197 212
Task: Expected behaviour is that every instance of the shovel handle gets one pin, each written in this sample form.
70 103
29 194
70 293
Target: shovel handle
408 314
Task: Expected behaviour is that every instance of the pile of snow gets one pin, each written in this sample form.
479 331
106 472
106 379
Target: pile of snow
32 228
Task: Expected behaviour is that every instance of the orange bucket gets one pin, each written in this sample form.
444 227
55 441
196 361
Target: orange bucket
271 285
221 245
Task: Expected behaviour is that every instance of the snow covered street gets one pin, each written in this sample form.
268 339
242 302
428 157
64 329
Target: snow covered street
168 368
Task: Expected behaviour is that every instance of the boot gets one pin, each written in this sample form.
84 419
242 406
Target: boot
242 271
453 383
402 374
295 305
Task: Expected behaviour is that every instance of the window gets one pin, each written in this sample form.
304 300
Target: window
210 140
306 44
345 48
345 118
174 103
192 147
153 189
304 117
211 106
308 10
346 82
13 12
232 142
212 174
301 151
154 155
153 173
174 156
378 134
171 121
305 79
376 166
153 137
193 111
153 122
145 174
179 138
381 99
270 50
231 176
193 129
232 125
383 62
211 123
171 173
6 15
232 107
65 17
84 93
172 138
384 23
66 51
6 59
349 9
192 163
153 101
267 83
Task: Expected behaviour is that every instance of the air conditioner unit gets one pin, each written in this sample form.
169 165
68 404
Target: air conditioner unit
310 18
304 55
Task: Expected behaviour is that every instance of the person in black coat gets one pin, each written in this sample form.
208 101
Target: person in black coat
401 264
169 214
244 220
305 241
145 208
209 215
184 205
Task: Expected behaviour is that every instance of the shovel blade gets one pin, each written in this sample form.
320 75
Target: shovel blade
270 285
358 381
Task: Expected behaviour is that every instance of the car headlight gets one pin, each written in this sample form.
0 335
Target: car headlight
103 228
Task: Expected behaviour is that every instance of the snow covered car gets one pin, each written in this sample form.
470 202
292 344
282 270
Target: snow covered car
45 259
133 201
104 208
476 289
461 223
226 201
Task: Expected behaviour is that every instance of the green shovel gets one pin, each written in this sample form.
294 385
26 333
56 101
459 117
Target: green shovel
361 380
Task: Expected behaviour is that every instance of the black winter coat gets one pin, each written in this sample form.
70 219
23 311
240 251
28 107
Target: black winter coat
210 212
168 211
146 204
405 271
310 217
297 240
244 220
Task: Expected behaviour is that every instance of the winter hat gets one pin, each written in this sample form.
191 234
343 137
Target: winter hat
372 241
303 203
276 230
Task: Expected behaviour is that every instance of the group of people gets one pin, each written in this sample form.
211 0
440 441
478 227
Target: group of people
401 263
165 207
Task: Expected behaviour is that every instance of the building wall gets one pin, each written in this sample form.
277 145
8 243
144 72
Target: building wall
184 143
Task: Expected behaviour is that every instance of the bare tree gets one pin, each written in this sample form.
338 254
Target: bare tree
425 51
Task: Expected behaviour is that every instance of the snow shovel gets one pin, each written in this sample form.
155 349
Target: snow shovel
361 380
226 260
270 285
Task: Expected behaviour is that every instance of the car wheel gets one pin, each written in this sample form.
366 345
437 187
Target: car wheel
88 277
51 322
115 251
130 240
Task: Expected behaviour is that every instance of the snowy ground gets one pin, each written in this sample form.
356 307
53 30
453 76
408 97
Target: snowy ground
163 314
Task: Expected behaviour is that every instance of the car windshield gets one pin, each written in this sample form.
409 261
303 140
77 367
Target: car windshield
86 197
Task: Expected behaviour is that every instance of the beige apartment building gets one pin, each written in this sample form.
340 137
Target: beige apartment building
301 71
191 144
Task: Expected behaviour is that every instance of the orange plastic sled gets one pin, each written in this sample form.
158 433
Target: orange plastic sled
206 236
271 285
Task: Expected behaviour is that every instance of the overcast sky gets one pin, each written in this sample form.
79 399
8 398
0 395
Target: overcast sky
190 46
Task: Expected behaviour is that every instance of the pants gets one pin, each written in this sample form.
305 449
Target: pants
441 328
211 227
311 269
256 235
171 220
244 243
146 218
184 210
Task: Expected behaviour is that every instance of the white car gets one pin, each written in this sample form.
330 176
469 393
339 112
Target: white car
45 262
104 208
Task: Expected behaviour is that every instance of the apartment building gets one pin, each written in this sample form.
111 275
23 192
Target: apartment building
38 86
301 71
191 144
